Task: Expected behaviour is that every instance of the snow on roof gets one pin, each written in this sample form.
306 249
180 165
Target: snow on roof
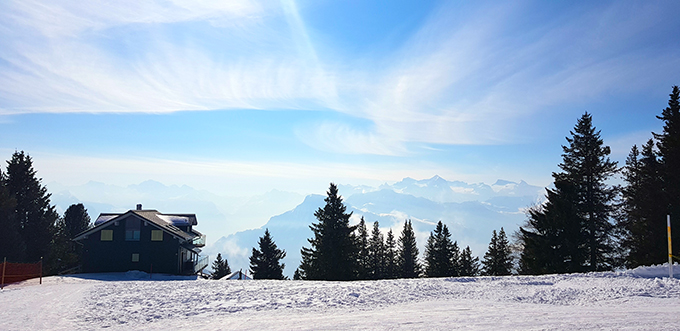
176 220
173 219
104 217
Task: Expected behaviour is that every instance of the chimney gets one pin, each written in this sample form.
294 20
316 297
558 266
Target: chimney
139 206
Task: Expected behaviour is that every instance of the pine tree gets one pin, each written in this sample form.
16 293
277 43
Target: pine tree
66 253
407 254
332 255
505 260
265 262
668 143
220 267
441 255
469 265
498 258
432 262
586 165
11 245
33 212
573 231
455 257
642 221
376 253
76 220
390 256
551 238
362 250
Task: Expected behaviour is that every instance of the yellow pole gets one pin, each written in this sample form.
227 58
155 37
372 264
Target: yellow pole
670 250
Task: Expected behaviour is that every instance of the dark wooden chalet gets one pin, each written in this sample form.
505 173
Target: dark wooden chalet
144 240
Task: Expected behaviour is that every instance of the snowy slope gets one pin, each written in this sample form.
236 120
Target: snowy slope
132 301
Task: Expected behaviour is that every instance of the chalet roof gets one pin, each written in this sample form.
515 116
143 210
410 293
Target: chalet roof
167 222
174 219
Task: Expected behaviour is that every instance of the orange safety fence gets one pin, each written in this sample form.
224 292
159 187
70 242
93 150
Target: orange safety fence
16 272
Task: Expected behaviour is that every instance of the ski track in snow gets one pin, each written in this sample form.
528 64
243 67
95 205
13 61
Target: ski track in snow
606 300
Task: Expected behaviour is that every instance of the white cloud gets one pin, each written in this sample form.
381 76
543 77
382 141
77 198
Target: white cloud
460 79
70 67
340 138
55 19
469 81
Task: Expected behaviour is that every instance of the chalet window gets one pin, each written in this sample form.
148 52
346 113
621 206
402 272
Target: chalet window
156 235
107 235
135 257
132 229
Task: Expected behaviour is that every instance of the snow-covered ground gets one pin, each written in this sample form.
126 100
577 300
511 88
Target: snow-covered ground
633 300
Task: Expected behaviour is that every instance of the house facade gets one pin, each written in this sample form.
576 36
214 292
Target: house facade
144 240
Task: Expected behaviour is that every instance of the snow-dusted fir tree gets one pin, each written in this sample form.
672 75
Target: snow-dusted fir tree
498 258
332 255
220 267
407 253
265 262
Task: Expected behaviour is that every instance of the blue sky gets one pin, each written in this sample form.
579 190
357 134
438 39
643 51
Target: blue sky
241 97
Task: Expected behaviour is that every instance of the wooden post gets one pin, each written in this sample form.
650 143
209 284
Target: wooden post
41 271
4 263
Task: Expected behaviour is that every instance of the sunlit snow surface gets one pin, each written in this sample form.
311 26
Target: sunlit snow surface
631 300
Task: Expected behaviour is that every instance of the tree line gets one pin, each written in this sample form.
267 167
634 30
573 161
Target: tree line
588 224
32 230
340 251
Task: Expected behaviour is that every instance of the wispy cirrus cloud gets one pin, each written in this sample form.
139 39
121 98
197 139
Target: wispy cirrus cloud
54 19
133 58
342 138
482 80
473 74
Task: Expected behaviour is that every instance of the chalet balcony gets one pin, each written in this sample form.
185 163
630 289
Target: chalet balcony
192 267
201 263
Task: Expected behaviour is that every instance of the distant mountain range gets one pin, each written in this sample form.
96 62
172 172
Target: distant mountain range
234 224
471 211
